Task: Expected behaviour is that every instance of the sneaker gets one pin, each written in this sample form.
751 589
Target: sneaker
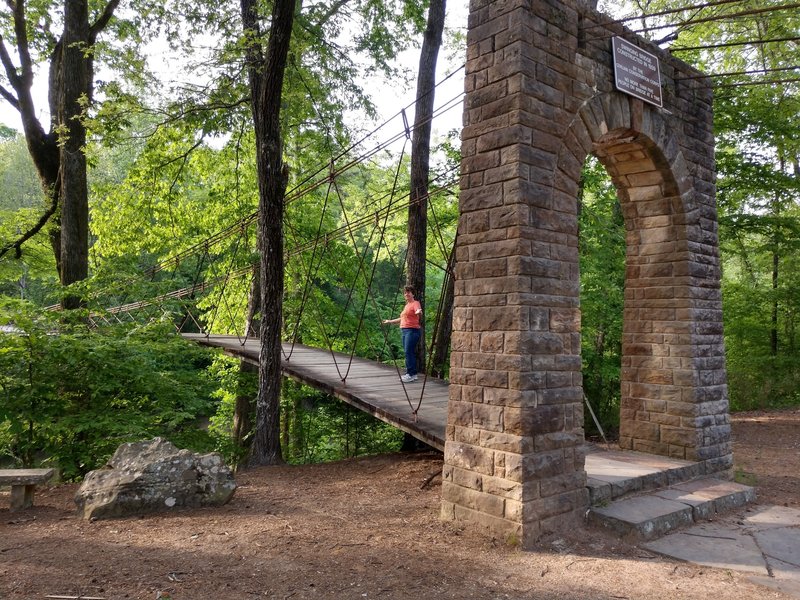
408 378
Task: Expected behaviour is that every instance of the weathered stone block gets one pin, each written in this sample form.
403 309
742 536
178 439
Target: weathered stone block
473 499
487 416
641 430
459 413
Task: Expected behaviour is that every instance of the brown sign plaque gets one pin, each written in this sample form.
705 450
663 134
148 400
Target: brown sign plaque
636 72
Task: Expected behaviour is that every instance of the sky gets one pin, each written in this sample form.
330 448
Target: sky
388 98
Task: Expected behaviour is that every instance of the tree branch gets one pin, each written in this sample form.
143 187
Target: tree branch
8 65
21 31
102 20
17 244
332 10
10 98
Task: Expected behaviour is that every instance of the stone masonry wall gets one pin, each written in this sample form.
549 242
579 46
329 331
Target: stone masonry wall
540 99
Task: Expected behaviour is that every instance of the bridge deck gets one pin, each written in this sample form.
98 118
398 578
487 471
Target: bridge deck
376 389
369 386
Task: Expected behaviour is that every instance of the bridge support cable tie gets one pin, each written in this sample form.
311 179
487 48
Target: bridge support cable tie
312 271
359 271
248 324
405 124
245 222
307 287
594 418
225 281
381 242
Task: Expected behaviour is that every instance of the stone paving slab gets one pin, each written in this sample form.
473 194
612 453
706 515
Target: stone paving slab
782 550
763 540
637 459
642 517
708 497
790 588
713 545
762 518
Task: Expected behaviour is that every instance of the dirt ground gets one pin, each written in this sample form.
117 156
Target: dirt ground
361 529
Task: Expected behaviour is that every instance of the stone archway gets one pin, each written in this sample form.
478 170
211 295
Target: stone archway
540 99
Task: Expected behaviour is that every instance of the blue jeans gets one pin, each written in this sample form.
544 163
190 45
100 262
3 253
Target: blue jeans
410 338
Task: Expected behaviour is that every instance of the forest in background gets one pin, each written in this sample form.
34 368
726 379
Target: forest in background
171 163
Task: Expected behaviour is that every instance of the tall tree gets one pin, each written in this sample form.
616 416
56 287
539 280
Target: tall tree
59 152
420 159
266 73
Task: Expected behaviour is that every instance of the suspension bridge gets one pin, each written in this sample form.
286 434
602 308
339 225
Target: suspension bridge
219 278
370 386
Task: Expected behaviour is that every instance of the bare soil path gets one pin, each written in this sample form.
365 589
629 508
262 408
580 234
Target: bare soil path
361 529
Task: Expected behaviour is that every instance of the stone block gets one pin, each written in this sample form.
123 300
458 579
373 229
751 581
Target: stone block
560 484
553 506
473 499
557 440
509 532
478 360
514 421
467 456
464 435
641 430
506 442
544 465
459 413
508 397
488 417
513 361
489 379
492 342
510 318
463 478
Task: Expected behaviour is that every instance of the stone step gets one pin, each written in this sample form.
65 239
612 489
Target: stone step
649 516
613 474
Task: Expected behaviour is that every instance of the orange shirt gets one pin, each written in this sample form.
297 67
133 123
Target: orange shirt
409 319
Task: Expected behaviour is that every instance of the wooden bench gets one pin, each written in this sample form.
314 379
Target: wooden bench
23 483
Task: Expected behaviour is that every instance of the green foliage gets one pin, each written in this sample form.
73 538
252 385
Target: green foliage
315 427
19 183
319 428
69 395
232 381
22 202
602 264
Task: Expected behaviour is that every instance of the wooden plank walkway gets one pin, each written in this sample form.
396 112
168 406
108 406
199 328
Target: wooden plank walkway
370 386
376 389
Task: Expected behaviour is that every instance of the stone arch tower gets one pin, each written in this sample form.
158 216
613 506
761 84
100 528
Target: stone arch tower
541 98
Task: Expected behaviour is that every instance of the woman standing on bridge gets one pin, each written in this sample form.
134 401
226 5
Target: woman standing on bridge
410 332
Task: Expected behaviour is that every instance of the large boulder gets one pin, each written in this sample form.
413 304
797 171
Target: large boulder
154 476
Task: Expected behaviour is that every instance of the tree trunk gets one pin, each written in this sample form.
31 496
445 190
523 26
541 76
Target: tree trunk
266 85
444 327
776 213
773 333
59 156
420 159
75 80
243 409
